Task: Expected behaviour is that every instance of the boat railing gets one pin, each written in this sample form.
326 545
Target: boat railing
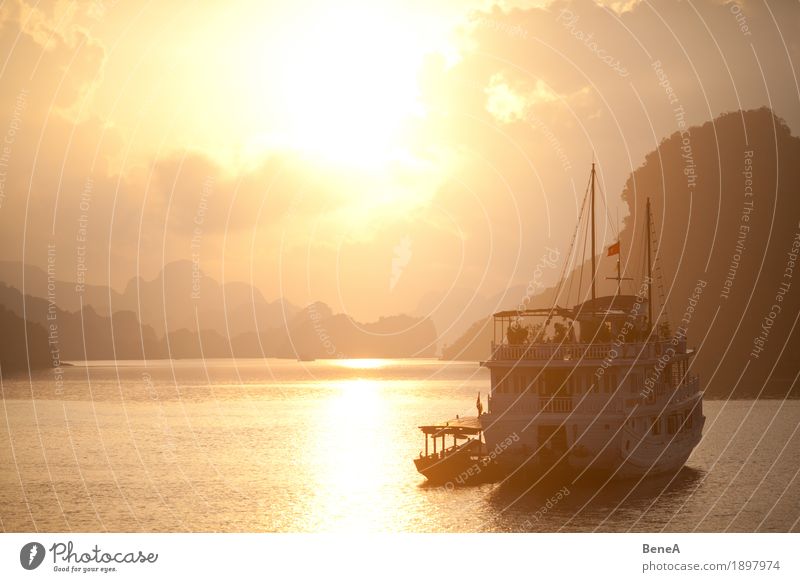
583 351
556 404
587 405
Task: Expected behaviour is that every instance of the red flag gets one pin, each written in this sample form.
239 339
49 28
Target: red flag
479 405
613 249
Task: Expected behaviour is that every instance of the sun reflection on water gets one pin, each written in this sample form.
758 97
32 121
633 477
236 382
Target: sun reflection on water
353 474
364 363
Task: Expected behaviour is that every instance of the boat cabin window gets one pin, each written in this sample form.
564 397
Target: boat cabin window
674 422
554 383
609 382
688 425
577 383
655 427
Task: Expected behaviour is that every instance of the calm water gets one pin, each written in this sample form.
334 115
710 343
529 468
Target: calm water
328 446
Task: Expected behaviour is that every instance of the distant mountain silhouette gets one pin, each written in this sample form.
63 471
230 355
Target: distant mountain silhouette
86 335
180 297
473 344
317 332
698 228
707 233
22 345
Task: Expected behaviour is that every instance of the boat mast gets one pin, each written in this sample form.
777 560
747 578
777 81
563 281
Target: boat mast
649 272
593 253
619 278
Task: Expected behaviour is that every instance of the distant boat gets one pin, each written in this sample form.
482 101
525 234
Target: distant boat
608 392
305 358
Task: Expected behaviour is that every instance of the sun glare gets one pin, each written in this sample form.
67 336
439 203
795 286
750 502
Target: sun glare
363 363
349 93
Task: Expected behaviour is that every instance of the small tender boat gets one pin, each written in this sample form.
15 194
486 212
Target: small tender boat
461 462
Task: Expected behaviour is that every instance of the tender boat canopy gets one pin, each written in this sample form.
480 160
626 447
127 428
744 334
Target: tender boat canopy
466 426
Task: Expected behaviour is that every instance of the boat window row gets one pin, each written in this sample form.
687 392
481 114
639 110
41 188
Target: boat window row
680 421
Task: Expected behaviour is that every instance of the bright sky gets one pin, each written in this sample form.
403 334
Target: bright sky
333 80
336 133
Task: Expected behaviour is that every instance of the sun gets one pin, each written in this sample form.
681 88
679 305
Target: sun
348 89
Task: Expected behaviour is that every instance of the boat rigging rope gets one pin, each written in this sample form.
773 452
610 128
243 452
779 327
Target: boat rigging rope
570 250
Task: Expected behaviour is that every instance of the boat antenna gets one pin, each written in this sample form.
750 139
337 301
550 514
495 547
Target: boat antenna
649 271
616 248
619 278
594 258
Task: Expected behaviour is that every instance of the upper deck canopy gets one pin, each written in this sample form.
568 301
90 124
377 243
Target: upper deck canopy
609 305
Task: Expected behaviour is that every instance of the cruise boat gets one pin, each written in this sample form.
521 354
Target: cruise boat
596 388
601 387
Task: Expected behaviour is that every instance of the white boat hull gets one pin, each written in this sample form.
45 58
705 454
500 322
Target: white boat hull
592 443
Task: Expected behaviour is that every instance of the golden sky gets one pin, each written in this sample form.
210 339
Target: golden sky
384 157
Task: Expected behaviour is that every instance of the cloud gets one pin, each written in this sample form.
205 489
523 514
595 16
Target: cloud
495 170
508 104
47 50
